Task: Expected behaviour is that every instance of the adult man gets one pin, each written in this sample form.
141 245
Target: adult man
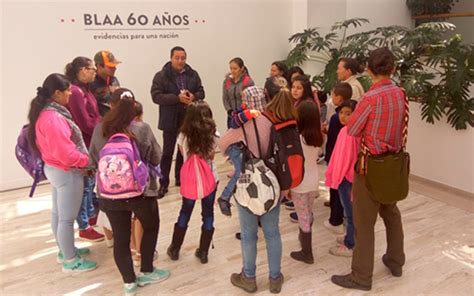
347 69
105 82
173 88
379 120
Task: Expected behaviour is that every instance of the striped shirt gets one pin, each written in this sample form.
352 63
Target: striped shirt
379 118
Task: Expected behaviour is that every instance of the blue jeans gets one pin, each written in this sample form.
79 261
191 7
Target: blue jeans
345 189
235 154
87 207
207 211
271 230
66 197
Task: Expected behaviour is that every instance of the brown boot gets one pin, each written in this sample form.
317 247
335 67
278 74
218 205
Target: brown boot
276 284
395 270
346 281
306 253
247 284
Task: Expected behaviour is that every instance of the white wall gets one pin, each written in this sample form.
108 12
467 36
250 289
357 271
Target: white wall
440 153
35 43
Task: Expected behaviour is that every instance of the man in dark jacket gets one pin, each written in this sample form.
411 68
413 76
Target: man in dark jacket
174 87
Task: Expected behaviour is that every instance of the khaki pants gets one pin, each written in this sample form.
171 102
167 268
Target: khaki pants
365 210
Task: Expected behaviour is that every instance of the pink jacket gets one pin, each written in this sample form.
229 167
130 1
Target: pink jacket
53 138
343 160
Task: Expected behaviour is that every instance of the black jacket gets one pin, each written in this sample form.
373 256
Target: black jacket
100 89
335 127
165 90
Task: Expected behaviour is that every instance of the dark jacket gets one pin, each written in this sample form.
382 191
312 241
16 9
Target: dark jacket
334 128
100 89
165 91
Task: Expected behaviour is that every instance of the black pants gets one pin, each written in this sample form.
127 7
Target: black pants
119 213
337 211
169 142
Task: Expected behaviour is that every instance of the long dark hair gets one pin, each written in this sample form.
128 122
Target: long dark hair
118 119
239 62
199 129
73 68
309 124
44 93
294 70
307 92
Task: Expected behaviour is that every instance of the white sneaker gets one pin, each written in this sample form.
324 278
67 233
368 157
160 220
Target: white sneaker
335 229
340 250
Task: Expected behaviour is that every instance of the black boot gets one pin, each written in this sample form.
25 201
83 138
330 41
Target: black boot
178 237
204 243
306 254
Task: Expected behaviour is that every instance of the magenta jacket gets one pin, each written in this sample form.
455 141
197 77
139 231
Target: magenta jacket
343 159
84 111
53 138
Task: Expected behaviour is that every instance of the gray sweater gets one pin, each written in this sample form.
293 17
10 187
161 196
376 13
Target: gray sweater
150 150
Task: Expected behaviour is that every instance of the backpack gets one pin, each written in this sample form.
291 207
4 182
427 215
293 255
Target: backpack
29 159
120 171
197 179
285 158
257 189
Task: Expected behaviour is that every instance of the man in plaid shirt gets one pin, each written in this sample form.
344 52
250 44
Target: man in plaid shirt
379 120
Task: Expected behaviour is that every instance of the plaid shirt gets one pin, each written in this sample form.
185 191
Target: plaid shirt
379 118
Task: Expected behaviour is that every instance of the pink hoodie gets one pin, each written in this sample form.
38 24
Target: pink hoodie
343 159
53 138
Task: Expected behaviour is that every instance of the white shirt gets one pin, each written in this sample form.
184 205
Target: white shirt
357 89
311 173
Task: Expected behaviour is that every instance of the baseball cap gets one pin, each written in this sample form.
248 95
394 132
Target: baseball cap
105 57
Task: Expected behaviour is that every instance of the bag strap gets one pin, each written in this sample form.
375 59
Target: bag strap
365 149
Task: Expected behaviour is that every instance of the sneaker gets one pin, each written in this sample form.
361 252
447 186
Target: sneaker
90 234
290 206
294 217
130 289
239 280
340 239
78 264
162 191
158 275
275 284
341 250
335 229
79 251
224 206
93 220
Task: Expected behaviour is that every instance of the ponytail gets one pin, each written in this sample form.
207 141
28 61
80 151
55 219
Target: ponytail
43 96
73 68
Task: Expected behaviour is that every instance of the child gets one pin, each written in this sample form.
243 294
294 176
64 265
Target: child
303 196
197 136
252 104
341 92
323 111
340 175
301 90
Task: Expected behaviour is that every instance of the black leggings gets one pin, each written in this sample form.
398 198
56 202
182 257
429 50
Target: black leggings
119 213
337 211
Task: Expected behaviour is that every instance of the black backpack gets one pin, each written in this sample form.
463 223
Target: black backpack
285 154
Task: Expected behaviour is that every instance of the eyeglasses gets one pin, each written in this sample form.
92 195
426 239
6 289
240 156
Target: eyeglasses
91 68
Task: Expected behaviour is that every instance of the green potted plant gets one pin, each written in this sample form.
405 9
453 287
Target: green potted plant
435 71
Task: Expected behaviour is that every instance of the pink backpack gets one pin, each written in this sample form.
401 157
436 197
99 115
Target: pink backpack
121 173
197 179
